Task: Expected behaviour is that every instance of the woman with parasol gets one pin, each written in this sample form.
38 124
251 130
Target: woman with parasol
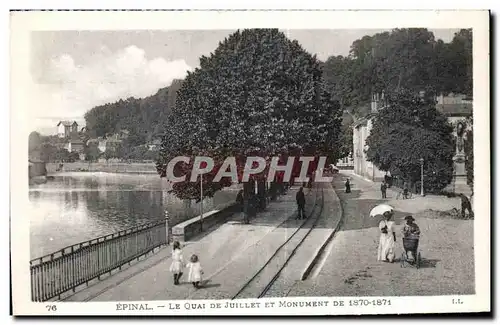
387 232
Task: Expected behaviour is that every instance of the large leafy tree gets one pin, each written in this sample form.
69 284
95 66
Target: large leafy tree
34 145
469 153
409 129
92 152
258 94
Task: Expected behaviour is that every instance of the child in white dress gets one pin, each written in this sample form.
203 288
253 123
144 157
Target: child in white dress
177 262
195 271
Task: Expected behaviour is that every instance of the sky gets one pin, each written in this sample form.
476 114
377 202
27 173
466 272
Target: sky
73 71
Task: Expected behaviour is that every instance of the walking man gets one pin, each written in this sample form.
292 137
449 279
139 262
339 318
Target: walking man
465 206
383 189
301 203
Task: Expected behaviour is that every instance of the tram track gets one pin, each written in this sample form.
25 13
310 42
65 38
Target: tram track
260 283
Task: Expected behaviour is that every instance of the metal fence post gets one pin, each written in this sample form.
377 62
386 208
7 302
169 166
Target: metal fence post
167 227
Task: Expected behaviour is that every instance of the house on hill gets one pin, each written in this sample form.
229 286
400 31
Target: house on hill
454 107
66 128
110 143
75 145
154 145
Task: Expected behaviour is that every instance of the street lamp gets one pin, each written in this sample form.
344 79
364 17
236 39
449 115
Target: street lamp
422 176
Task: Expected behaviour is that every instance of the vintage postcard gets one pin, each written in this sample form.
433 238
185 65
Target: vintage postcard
250 163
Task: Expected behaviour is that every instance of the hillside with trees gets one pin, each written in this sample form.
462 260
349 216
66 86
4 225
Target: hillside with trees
412 59
143 118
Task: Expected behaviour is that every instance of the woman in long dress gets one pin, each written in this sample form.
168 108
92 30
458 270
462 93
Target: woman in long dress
387 239
177 262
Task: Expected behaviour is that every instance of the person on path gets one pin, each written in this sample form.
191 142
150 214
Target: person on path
301 203
195 271
387 238
177 262
347 186
383 189
239 199
405 191
411 231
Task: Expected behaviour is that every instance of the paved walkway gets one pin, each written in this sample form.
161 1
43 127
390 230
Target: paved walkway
327 222
229 255
351 268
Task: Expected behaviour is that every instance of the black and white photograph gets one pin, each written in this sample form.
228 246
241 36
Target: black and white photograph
228 169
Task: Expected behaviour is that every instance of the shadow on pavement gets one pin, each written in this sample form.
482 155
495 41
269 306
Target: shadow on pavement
206 284
428 263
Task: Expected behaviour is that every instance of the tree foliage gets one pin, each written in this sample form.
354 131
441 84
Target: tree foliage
92 152
258 94
409 129
143 118
469 153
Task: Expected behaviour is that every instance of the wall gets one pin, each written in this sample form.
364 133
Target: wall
186 230
36 169
61 131
362 166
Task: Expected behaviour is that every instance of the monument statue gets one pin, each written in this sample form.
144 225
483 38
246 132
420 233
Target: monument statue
460 137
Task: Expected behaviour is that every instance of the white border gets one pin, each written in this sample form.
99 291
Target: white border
24 22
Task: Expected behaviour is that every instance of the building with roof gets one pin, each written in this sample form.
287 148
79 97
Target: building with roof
66 128
75 145
154 145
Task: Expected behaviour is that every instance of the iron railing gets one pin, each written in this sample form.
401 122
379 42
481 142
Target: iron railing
72 266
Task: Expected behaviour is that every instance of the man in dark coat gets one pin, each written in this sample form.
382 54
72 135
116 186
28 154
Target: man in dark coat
383 189
466 206
301 203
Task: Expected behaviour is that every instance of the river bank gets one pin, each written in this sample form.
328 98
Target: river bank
103 167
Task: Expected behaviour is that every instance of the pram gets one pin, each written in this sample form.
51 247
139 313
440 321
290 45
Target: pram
410 245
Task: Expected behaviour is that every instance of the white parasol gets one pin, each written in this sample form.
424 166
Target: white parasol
380 209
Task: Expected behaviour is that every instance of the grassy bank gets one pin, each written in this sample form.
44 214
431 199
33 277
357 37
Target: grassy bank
111 167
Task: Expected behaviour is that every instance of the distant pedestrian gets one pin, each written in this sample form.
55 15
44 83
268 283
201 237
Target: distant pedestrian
465 205
383 189
301 203
177 262
388 181
347 186
195 271
405 191
239 199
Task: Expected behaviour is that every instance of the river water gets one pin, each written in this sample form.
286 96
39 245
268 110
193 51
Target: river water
75 207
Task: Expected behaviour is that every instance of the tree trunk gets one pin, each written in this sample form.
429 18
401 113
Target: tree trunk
273 191
261 195
248 189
